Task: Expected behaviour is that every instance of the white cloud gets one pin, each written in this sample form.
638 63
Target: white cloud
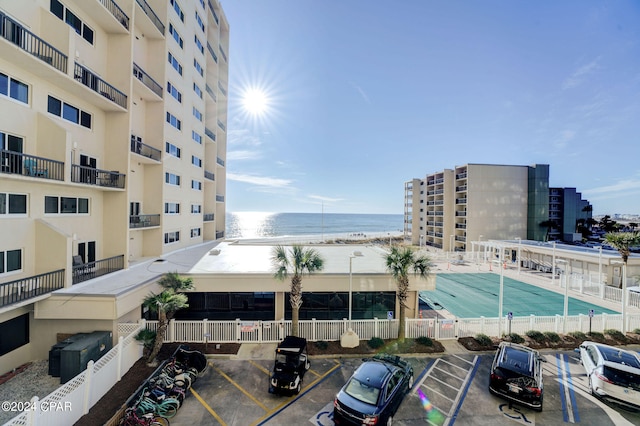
325 199
362 93
624 186
260 180
243 155
579 75
243 137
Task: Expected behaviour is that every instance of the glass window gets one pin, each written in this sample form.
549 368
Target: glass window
57 9
85 119
4 84
14 260
54 106
87 34
51 204
71 113
17 204
1 262
3 203
74 21
19 91
68 205
83 205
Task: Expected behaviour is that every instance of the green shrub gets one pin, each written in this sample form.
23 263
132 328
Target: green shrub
424 341
516 338
578 335
616 334
595 335
375 343
636 331
483 339
552 336
322 345
535 335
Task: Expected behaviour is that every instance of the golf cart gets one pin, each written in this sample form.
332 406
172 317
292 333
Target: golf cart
291 363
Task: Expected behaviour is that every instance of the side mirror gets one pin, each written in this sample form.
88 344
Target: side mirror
577 350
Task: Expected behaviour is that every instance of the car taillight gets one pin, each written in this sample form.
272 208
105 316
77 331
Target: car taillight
335 402
370 420
495 376
602 377
535 391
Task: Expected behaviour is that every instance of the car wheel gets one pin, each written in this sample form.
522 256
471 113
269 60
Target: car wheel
389 420
410 384
591 389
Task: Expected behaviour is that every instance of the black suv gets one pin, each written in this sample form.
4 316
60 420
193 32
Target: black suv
516 375
374 392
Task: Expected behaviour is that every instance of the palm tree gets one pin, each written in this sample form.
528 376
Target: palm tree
166 304
399 262
623 241
548 224
295 262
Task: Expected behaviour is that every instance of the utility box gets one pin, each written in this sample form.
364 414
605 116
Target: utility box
54 353
75 357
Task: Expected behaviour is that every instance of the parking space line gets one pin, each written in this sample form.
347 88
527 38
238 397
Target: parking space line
453 375
457 366
462 359
207 407
241 389
261 368
466 384
567 396
271 414
445 383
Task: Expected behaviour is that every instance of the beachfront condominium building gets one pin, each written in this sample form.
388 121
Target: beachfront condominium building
453 207
569 215
113 119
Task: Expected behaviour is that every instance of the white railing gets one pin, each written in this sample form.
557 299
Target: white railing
72 400
330 330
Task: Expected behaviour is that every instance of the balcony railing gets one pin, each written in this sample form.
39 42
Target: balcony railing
220 198
211 93
222 126
91 176
98 268
26 288
461 213
213 54
209 133
224 55
151 14
207 217
98 85
461 225
146 80
213 12
145 150
461 201
116 12
222 89
31 43
209 175
17 163
144 221
219 234
220 161
462 175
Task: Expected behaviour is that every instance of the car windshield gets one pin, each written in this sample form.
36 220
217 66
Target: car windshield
622 378
362 391
620 356
516 361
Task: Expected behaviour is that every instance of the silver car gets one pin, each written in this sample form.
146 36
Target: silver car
614 373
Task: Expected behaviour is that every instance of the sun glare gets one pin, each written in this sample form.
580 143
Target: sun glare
255 101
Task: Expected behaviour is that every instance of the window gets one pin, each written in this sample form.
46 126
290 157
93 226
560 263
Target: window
199 21
172 208
176 7
198 91
202 4
196 161
198 44
197 114
172 149
196 208
66 205
196 184
195 232
174 92
13 204
175 64
198 68
171 237
68 112
175 35
15 89
172 179
72 20
196 137
15 333
10 261
173 120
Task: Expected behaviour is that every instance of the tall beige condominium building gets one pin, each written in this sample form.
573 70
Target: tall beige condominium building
113 119
453 207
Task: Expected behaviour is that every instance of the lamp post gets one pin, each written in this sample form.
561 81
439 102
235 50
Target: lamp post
519 247
501 293
451 243
350 339
566 297
624 294
553 265
484 254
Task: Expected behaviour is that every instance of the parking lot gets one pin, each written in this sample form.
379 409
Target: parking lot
235 392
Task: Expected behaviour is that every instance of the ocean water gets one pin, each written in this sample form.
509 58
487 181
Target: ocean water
261 224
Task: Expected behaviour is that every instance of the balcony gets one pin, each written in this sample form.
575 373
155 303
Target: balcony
461 213
213 12
213 54
116 12
462 175
461 226
209 175
27 288
31 43
209 133
157 23
111 17
220 161
461 239
211 93
98 268
219 234
207 217
98 85
17 163
461 188
145 150
146 79
461 201
92 176
144 221
224 55
224 92
220 198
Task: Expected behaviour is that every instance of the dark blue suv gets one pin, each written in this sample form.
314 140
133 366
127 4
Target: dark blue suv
374 392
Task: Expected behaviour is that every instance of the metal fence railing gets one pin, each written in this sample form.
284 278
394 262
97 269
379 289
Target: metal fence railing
26 288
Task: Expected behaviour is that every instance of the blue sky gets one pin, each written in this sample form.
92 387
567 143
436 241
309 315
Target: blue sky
365 95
